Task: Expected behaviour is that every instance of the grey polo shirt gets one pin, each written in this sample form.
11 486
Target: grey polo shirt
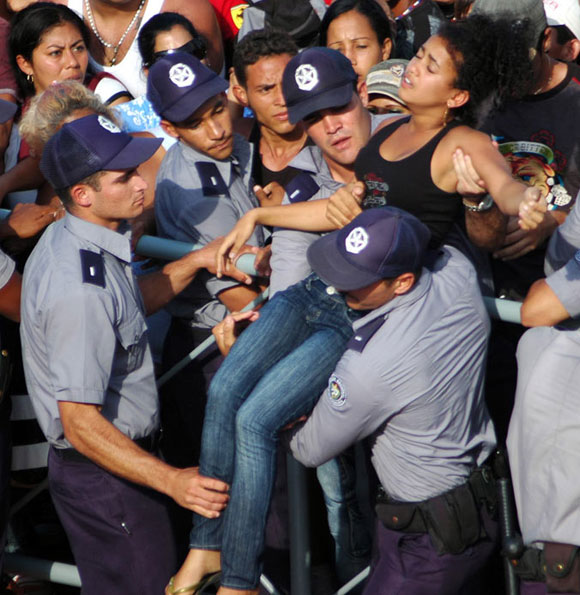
7 267
198 199
289 263
543 439
83 331
412 379
564 242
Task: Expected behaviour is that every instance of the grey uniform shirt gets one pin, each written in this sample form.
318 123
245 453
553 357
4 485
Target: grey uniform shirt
198 199
289 263
412 378
7 267
543 439
83 331
563 243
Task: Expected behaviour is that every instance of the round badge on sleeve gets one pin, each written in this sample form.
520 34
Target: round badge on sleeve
306 77
108 125
357 240
336 391
181 75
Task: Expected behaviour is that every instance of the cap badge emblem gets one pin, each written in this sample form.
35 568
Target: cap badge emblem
306 77
181 75
108 125
357 240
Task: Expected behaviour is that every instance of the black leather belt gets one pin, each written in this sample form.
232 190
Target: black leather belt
148 443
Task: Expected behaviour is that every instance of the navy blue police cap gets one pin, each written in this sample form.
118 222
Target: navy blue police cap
88 145
178 84
317 79
378 244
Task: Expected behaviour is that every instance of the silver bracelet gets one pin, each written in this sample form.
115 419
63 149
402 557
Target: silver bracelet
483 205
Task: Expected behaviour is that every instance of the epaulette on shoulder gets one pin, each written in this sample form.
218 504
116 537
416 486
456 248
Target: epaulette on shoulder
212 182
93 267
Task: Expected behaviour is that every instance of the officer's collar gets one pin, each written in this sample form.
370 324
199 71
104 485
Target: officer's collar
241 155
117 243
311 160
416 293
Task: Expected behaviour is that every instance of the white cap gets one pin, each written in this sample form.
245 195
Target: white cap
564 12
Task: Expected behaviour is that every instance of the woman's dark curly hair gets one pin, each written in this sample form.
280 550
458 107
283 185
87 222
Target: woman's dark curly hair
27 29
492 60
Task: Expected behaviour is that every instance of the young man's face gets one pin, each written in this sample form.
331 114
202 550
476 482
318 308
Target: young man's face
209 129
340 132
121 196
264 93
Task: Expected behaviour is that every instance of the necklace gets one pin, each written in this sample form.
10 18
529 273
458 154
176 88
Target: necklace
114 47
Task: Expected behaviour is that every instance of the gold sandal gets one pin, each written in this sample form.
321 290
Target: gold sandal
211 578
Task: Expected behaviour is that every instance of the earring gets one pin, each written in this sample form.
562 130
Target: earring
445 115
30 78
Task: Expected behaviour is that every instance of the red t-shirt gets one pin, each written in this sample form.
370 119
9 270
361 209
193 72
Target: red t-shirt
230 14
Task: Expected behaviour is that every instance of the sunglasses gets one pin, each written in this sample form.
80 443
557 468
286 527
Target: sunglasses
194 47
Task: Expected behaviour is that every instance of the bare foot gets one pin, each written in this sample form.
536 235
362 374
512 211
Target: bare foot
197 564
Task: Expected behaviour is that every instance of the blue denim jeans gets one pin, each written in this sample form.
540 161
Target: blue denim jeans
275 373
351 530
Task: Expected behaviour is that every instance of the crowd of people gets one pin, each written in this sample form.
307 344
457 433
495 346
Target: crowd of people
387 163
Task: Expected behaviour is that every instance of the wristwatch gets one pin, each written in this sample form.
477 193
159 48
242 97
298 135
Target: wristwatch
483 205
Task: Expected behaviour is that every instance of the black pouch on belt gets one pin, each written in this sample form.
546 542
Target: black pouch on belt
453 520
562 567
400 516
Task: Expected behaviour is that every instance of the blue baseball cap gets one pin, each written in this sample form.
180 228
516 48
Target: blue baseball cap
316 79
7 110
378 244
88 145
178 84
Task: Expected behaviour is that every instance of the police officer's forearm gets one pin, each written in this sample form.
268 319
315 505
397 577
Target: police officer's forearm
160 287
99 440
542 307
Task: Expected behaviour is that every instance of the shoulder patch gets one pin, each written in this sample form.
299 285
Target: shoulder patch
301 188
336 391
93 268
212 182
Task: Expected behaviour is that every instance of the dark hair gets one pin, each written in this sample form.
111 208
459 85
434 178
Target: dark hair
27 28
563 34
461 8
375 15
94 181
492 60
260 44
160 23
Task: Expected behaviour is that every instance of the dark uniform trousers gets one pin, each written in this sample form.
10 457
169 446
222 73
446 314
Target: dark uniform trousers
408 564
119 532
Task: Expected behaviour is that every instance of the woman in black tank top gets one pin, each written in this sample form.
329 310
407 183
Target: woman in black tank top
468 66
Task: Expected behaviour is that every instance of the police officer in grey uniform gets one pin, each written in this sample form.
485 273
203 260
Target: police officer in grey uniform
203 187
543 439
411 380
89 369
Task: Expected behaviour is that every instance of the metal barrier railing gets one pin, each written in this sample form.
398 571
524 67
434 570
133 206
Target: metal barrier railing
67 574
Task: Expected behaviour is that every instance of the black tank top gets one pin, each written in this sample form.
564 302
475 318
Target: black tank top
407 183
